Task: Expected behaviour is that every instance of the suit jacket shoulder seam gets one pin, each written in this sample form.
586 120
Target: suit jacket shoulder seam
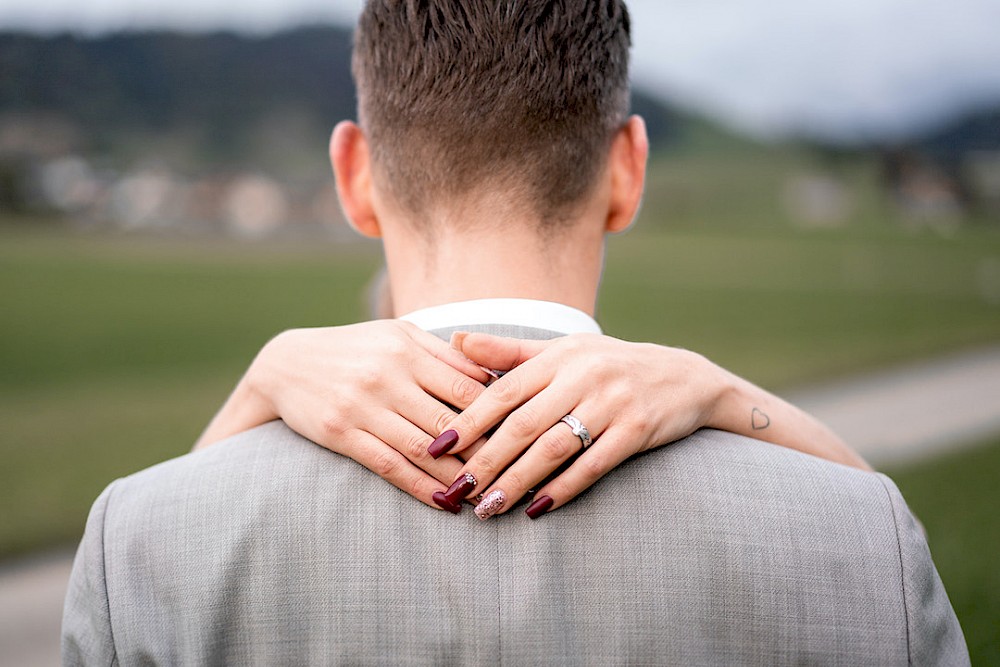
902 572
104 569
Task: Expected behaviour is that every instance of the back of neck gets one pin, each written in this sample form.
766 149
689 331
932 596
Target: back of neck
510 261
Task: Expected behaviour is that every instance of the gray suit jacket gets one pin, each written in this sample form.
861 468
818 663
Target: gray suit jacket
715 550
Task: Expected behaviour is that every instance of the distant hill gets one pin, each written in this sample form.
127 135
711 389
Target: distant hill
214 92
975 132
212 99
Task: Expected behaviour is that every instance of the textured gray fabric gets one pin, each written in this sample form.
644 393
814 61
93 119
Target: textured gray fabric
267 549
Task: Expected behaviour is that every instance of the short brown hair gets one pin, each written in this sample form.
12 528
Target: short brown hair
521 94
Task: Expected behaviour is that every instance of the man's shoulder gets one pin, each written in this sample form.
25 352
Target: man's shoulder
246 480
269 450
711 459
715 476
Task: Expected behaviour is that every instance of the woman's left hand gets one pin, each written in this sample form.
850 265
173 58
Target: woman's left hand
630 397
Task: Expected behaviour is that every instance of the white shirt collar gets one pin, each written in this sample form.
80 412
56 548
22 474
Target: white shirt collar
511 312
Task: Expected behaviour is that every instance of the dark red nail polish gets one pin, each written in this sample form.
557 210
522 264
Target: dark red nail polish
539 507
462 487
443 443
445 504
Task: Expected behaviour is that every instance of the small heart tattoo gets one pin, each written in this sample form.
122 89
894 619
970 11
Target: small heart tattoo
758 420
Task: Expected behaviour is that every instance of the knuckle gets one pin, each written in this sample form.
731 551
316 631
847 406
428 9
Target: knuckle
512 483
593 466
506 389
464 390
395 345
415 448
641 424
523 423
334 425
442 420
368 380
417 487
385 464
486 467
556 448
617 393
573 343
557 488
466 423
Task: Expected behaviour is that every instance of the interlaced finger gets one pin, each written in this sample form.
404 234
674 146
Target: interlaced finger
499 400
410 441
442 351
519 432
614 447
391 466
550 451
444 382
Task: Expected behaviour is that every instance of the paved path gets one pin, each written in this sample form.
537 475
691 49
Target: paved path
891 417
913 411
31 595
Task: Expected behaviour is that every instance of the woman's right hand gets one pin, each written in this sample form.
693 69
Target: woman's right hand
377 392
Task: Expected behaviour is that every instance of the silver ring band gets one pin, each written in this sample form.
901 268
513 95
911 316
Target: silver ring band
579 430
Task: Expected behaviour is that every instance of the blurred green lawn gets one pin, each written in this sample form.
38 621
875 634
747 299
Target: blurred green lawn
955 497
116 350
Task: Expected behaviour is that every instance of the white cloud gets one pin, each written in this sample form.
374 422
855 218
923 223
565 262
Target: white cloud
846 67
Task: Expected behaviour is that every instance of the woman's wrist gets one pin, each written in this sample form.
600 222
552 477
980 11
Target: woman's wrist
743 408
720 391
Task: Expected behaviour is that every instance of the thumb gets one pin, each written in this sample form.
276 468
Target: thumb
496 352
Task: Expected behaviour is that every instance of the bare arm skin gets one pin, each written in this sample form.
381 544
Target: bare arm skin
746 409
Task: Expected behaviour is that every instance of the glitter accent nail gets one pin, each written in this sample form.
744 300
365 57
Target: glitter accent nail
491 504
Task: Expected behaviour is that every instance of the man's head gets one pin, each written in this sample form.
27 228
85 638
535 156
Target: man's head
518 97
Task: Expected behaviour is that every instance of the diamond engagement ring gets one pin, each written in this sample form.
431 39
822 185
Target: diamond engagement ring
579 430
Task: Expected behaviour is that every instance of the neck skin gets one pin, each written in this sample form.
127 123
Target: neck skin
492 253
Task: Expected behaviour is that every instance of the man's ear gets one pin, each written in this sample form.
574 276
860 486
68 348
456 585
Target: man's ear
352 172
627 166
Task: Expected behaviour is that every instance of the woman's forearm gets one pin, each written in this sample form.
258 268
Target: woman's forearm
748 410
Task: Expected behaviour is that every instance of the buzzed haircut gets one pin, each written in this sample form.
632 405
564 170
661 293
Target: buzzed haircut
523 96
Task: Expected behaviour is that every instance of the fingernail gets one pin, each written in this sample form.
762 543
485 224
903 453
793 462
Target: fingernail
491 504
462 487
444 503
539 507
443 443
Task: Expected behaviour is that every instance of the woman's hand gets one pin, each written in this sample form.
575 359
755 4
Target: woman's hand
630 396
373 391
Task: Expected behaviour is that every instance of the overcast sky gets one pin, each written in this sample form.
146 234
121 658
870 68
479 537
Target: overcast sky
848 68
